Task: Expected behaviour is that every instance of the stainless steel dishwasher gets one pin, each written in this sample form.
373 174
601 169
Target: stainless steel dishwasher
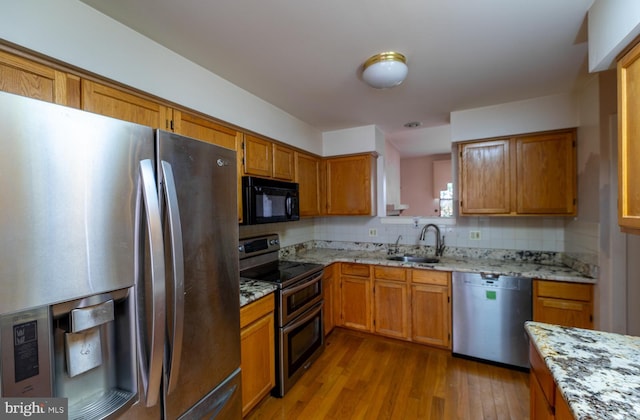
489 312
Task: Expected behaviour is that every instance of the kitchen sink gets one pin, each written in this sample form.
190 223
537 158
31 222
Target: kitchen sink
414 259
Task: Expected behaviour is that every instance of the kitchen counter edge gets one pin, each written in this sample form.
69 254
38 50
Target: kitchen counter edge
326 256
252 290
596 372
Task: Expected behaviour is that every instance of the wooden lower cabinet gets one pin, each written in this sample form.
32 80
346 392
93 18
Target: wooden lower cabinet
355 292
431 307
257 347
391 302
563 303
331 304
546 401
407 304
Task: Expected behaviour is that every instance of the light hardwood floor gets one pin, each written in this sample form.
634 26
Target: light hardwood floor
362 376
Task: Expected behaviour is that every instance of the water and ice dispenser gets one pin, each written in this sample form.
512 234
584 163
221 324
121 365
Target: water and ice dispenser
83 350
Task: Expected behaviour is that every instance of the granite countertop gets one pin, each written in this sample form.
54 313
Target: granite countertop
598 373
327 256
251 290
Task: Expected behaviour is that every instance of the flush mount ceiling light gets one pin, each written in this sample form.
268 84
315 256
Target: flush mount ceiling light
385 70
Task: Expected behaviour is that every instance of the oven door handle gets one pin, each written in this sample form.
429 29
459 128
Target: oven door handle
303 284
313 312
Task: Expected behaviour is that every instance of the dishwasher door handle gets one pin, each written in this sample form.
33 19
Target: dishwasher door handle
489 276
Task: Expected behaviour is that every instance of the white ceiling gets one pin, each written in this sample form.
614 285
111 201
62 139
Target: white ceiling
305 57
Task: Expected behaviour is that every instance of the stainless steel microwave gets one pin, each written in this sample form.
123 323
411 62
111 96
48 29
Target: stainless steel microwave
269 201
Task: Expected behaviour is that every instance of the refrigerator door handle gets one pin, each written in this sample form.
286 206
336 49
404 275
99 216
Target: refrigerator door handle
175 235
150 358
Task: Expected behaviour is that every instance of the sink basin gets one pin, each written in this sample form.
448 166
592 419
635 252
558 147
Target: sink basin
414 259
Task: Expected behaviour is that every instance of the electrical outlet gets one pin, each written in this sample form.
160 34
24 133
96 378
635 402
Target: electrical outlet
373 232
474 235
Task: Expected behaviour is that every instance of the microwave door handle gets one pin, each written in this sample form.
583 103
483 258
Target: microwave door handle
177 259
288 206
150 359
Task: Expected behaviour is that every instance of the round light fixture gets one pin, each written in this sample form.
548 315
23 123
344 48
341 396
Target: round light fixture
385 70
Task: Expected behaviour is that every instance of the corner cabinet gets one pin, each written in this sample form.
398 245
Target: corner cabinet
351 185
629 141
307 170
532 174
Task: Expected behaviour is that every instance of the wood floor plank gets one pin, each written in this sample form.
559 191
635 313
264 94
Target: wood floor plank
363 376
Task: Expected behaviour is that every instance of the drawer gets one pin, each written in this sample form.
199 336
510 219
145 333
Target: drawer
390 273
542 374
564 290
256 310
359 270
430 277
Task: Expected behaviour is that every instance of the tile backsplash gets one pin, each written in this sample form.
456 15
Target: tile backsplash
575 246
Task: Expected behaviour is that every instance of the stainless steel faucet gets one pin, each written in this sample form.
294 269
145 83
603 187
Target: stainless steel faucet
439 239
395 251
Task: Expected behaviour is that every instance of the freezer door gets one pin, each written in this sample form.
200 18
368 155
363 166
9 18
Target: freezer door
68 183
208 310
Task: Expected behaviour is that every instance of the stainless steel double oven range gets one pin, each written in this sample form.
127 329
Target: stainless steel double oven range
299 306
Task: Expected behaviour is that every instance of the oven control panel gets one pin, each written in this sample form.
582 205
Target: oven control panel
249 247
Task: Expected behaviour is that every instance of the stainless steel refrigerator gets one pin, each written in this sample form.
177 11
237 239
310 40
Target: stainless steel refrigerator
119 288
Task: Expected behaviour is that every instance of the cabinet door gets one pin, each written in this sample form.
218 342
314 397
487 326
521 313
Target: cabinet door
563 303
115 103
308 177
283 165
431 315
570 313
356 302
24 77
391 309
328 290
257 156
350 185
629 141
539 407
257 361
204 129
485 183
546 173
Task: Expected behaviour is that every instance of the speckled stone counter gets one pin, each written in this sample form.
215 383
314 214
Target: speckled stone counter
598 373
327 256
251 290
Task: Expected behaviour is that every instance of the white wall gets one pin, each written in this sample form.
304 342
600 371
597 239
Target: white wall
613 24
350 140
528 116
392 174
73 32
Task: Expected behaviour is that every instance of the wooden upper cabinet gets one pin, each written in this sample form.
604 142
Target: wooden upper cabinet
307 170
257 156
629 141
351 185
533 174
204 129
190 125
268 159
24 77
283 162
484 177
546 173
116 103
